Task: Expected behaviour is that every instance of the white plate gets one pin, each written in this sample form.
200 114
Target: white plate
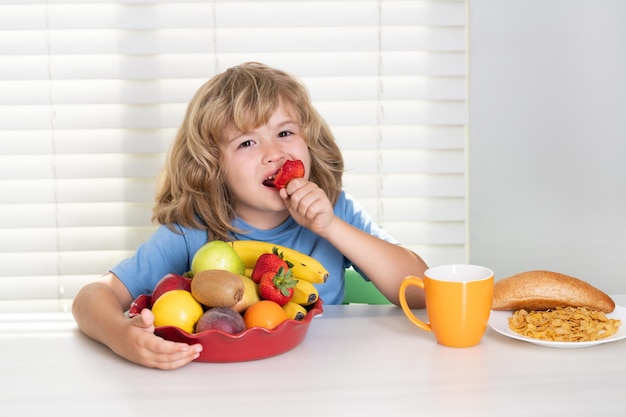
499 321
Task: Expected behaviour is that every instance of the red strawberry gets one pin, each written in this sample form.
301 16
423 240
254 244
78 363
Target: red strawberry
289 171
277 287
269 262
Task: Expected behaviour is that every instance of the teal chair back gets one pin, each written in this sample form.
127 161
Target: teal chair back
360 291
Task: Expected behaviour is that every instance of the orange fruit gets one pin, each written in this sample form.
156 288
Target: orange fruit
264 313
177 308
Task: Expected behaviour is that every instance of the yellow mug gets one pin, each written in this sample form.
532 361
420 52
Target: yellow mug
458 302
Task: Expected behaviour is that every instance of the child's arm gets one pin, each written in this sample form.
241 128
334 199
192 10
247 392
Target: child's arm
99 308
384 263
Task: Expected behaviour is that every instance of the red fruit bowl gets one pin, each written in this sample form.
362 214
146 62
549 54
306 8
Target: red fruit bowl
251 344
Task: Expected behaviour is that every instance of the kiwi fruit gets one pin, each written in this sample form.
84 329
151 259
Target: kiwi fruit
217 288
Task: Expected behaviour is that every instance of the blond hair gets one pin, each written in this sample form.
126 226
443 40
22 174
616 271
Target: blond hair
192 190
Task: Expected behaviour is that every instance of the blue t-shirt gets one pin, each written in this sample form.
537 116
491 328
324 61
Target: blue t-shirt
169 252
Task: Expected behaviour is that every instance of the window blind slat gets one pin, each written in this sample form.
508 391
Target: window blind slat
405 161
309 65
400 136
421 185
15 193
190 40
120 214
78 239
180 90
58 263
37 287
80 166
442 233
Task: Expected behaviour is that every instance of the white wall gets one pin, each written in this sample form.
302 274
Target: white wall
547 138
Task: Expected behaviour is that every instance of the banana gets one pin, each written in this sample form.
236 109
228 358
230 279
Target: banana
303 272
294 311
305 267
305 293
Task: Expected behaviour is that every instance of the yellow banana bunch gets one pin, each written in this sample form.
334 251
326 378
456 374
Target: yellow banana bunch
304 293
294 311
305 267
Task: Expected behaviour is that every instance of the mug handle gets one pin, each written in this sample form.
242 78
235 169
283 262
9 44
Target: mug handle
416 282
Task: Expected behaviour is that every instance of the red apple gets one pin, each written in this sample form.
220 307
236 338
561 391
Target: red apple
138 304
171 282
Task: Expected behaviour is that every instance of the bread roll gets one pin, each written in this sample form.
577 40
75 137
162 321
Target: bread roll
543 290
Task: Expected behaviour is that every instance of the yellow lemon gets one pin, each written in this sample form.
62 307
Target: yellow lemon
177 308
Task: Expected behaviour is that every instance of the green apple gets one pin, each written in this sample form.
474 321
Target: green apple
217 254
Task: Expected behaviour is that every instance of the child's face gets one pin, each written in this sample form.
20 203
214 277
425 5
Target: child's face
251 158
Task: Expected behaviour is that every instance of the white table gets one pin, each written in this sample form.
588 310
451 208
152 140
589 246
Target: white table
355 360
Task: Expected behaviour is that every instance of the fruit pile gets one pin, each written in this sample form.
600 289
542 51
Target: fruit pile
234 286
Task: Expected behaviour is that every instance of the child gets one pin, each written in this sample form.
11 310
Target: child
239 129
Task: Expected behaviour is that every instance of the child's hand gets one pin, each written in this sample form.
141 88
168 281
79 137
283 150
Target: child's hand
308 205
142 346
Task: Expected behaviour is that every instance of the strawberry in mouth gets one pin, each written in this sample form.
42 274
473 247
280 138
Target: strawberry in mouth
289 170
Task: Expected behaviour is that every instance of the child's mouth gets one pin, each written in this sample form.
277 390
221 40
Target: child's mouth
269 181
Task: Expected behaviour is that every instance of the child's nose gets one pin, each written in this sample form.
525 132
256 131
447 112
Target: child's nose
274 152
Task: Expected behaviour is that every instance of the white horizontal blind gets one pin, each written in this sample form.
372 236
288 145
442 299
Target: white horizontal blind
92 92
